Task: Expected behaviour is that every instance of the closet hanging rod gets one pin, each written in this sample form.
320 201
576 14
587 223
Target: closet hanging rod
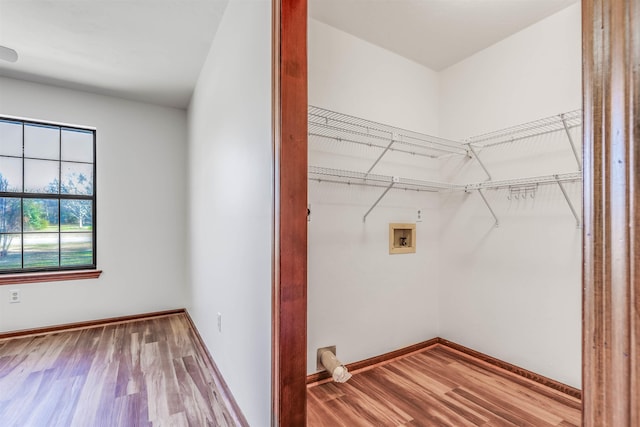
319 115
522 138
365 138
544 179
359 178
559 122
372 145
328 180
374 180
339 122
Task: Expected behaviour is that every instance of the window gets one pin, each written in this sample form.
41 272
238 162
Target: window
47 197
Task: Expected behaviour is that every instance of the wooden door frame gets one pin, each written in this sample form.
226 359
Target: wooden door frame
289 295
611 291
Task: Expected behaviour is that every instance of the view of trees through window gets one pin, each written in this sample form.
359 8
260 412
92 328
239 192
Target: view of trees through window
47 197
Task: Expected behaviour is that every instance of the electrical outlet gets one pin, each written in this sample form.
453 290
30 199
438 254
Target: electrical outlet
14 296
419 215
219 322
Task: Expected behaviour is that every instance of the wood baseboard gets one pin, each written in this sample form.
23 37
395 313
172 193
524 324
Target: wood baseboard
541 379
320 377
221 385
88 324
372 362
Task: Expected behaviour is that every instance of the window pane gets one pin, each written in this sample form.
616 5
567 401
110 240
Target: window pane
41 176
77 178
46 197
40 215
10 138
10 174
42 142
10 250
77 249
77 145
77 215
41 250
9 215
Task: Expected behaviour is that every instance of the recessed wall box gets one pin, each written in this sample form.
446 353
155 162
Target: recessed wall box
402 238
331 348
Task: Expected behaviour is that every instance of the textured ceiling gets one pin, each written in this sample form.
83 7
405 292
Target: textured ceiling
435 33
148 50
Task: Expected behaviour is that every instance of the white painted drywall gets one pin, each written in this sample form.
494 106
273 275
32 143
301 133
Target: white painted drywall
352 76
230 204
514 292
534 73
360 298
141 203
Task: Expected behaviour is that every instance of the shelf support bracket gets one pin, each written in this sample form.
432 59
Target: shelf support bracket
364 219
475 155
486 202
393 139
566 197
573 145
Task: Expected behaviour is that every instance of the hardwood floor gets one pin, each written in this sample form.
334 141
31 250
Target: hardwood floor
439 387
138 373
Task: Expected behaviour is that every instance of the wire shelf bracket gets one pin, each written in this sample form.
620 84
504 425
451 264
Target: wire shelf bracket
573 145
486 202
364 218
477 157
566 197
393 139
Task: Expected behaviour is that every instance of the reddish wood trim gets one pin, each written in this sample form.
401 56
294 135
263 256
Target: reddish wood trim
506 366
220 383
51 276
290 207
275 251
88 324
611 273
372 362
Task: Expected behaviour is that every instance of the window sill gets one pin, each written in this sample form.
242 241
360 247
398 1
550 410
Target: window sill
52 276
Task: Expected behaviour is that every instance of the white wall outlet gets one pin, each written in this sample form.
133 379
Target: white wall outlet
419 215
309 212
14 296
219 322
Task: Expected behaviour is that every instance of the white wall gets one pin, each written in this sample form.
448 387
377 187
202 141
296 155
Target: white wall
141 202
351 76
360 298
230 207
534 73
514 292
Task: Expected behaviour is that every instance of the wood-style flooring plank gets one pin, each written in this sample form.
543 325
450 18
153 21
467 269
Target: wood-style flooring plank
439 387
138 373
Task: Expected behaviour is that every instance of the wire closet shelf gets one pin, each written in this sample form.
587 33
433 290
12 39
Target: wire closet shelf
341 176
340 127
558 123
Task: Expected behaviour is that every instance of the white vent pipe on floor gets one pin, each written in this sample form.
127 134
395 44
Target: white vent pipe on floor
337 370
